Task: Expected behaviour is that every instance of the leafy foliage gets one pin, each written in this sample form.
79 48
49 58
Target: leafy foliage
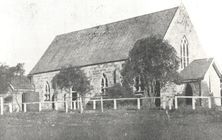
153 60
72 78
8 73
18 69
118 91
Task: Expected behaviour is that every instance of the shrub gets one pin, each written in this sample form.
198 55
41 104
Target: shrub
118 91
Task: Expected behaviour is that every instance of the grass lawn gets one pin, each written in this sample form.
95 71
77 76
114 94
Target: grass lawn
183 124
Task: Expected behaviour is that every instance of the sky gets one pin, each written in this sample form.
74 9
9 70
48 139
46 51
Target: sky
28 27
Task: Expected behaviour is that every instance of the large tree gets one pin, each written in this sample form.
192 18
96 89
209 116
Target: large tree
72 77
7 73
152 61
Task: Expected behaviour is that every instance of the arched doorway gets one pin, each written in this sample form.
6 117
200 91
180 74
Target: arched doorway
188 92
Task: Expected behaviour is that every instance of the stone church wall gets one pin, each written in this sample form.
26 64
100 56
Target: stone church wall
40 81
172 90
95 74
181 26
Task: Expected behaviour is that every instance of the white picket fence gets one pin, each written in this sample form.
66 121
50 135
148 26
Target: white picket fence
101 100
194 98
48 102
78 104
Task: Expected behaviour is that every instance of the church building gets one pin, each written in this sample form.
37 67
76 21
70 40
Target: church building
102 50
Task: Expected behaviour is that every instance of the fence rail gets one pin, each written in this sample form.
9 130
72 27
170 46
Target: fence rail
78 104
48 102
193 100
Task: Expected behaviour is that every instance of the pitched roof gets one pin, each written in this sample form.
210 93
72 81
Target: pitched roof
21 83
105 43
195 70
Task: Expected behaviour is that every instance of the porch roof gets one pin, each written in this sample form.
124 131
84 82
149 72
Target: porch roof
196 70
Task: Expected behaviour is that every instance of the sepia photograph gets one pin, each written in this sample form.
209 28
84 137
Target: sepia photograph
110 70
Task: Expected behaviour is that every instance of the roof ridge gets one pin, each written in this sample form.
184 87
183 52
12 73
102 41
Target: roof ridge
128 31
208 58
105 24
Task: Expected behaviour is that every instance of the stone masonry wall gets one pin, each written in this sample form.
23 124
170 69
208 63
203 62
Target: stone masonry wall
40 81
181 26
94 72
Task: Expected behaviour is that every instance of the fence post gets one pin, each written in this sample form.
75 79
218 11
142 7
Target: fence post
71 104
24 107
101 103
56 107
66 106
81 106
170 103
2 105
138 103
10 107
176 103
78 102
114 102
40 106
74 105
164 102
193 103
209 102
170 107
94 104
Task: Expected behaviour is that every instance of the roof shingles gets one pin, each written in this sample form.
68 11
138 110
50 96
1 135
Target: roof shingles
105 43
196 70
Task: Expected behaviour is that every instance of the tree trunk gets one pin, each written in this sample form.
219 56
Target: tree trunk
157 94
149 102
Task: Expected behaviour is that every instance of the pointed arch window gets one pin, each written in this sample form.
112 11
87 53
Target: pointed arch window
184 52
114 77
47 92
104 83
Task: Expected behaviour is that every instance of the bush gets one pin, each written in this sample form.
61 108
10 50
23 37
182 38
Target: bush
118 91
114 92
128 104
